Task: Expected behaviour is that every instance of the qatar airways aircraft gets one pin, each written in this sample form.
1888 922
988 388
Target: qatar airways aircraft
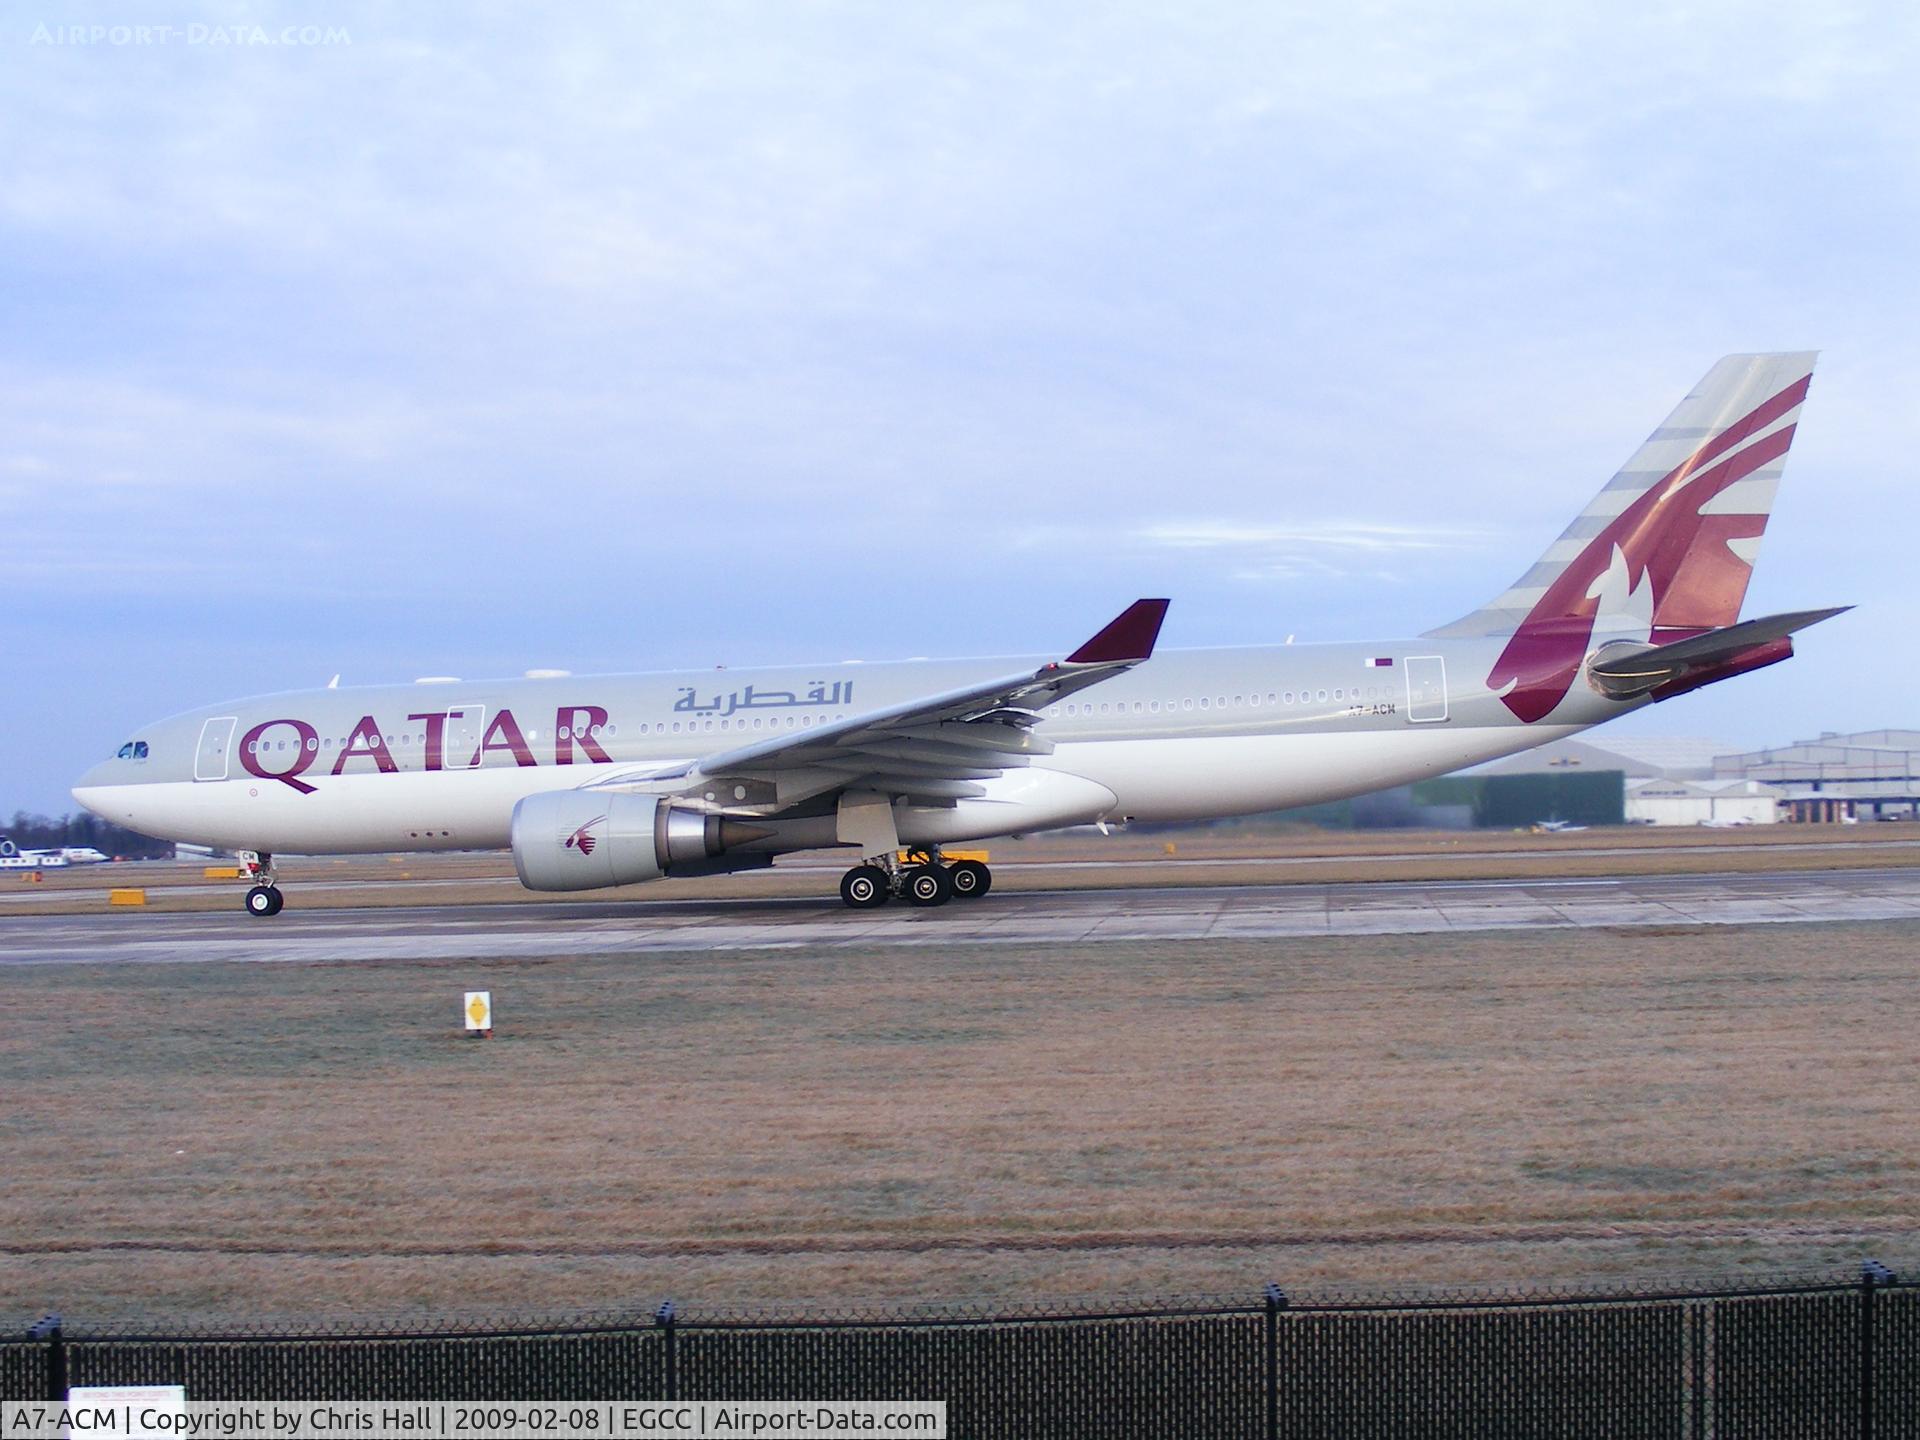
608 780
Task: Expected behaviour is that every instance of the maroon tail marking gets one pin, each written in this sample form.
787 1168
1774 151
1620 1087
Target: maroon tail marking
1698 582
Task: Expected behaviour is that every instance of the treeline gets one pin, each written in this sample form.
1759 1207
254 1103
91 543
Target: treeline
51 832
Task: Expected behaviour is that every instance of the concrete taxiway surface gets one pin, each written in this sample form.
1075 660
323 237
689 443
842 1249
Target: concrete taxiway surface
1164 913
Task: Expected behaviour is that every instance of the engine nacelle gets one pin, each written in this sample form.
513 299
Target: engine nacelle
585 840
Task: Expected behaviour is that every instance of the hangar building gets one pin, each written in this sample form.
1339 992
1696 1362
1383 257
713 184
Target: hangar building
1869 774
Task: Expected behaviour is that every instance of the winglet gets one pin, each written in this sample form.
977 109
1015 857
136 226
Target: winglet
1128 636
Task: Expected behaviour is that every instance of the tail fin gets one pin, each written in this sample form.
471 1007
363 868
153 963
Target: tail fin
1667 546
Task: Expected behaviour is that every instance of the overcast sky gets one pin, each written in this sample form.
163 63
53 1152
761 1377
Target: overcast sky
683 334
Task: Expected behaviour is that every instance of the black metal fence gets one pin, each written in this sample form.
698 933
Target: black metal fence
1801 1358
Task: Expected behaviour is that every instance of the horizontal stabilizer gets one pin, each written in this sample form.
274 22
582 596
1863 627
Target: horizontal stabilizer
1622 674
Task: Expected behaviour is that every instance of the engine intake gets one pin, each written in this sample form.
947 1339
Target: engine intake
582 840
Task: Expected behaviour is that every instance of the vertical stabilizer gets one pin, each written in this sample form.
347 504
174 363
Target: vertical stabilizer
1667 547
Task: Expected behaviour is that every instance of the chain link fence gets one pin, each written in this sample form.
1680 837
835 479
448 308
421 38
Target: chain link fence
1795 1357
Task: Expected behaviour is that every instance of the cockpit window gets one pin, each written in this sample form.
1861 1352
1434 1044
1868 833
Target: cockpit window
125 752
139 749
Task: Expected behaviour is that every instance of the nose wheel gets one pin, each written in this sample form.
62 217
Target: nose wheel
264 898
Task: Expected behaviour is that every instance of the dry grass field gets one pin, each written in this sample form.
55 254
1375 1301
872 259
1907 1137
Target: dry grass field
979 1123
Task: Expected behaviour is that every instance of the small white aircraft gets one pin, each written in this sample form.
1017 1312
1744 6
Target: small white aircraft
609 780
12 857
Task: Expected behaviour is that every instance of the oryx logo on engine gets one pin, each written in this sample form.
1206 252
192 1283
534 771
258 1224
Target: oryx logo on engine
582 839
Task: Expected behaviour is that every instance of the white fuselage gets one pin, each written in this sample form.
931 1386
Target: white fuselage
1184 735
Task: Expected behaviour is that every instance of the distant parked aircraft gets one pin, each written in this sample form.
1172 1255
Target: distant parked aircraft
610 780
12 857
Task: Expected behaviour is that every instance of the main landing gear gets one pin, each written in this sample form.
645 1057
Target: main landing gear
264 898
926 879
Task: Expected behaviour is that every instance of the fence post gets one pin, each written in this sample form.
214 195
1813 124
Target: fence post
1276 1302
665 1319
1697 1325
1872 1275
51 1330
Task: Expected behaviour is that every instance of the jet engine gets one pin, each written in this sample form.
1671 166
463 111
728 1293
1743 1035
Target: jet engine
583 840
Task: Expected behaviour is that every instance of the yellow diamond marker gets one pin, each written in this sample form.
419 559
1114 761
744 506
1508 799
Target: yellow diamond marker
476 1010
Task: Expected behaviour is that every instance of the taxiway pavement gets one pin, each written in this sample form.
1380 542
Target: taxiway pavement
399 935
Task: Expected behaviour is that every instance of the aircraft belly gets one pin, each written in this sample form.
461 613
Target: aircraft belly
1201 777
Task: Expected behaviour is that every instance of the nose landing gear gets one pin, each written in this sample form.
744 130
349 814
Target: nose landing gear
264 898
927 879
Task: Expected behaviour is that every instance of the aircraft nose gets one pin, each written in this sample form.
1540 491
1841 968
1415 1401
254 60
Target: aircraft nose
93 788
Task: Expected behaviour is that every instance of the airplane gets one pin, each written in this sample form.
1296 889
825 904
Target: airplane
611 780
12 857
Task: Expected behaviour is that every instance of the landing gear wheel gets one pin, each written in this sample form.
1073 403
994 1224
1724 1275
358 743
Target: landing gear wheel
865 887
928 885
264 900
970 879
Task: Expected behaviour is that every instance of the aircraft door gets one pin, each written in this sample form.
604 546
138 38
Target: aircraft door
466 726
1426 689
216 740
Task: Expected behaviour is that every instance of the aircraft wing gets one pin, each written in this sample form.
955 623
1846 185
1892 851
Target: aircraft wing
932 749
